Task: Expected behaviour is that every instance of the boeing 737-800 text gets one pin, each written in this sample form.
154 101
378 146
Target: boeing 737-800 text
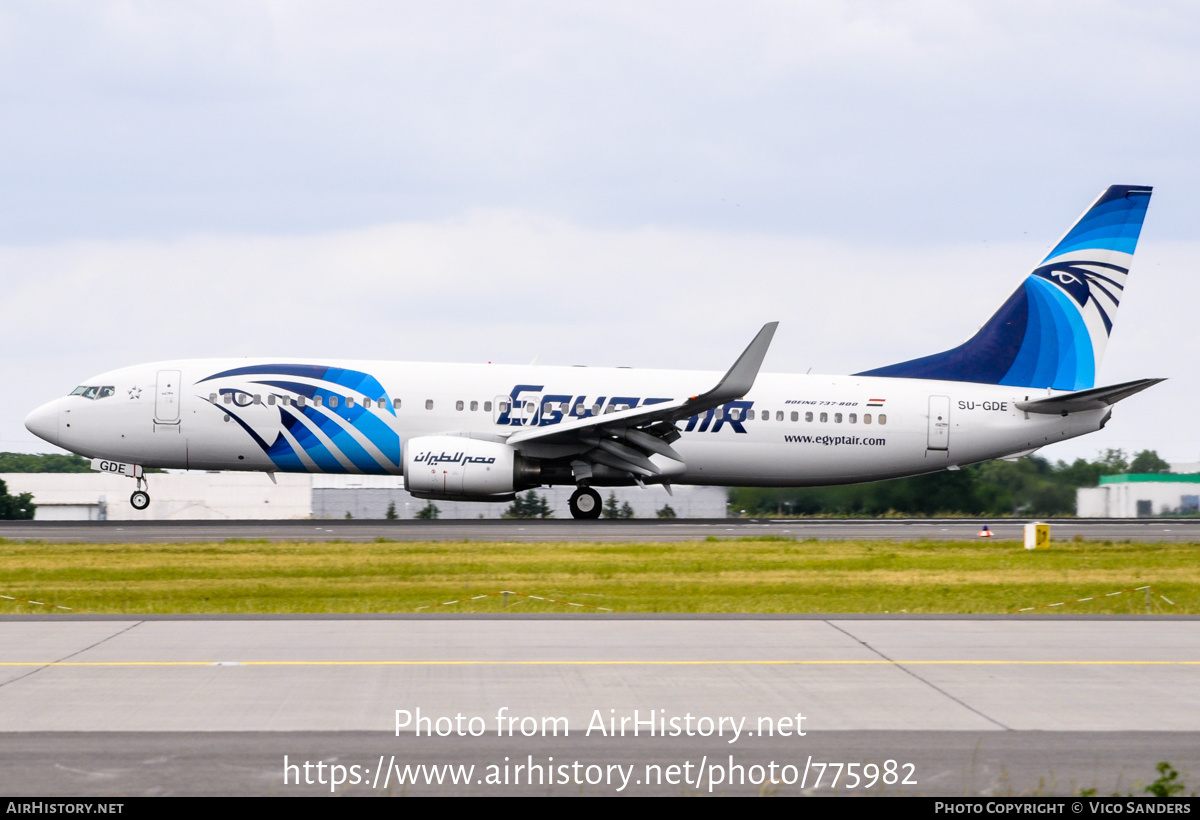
486 432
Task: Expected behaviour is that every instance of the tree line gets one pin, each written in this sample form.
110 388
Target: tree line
43 463
1031 486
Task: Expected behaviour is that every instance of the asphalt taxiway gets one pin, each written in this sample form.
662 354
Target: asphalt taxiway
1141 529
210 705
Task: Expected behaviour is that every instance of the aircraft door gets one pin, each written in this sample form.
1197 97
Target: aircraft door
522 411
939 423
166 397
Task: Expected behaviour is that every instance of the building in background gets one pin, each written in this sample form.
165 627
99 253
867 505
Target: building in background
1140 496
227 496
175 496
364 496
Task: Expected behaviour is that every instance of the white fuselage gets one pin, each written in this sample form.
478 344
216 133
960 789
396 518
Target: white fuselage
789 430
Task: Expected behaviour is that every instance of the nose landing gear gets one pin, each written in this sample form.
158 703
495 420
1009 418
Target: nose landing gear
584 503
140 499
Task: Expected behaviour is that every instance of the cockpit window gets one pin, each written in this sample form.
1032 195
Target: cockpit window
92 391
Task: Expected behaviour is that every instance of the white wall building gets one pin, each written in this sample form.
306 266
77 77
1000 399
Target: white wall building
364 496
221 496
1139 496
174 496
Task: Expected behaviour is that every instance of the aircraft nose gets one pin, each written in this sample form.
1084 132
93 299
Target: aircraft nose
43 422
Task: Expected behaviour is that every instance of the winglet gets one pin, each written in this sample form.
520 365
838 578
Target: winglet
740 378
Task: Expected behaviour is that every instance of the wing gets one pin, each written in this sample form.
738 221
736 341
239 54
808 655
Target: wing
625 439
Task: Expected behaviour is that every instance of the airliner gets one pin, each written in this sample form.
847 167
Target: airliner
463 432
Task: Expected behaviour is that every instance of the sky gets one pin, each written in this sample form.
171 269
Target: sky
606 183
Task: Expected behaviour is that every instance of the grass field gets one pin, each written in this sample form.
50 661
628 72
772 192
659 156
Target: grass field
772 574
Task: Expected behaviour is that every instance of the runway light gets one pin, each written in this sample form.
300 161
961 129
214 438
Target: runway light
985 532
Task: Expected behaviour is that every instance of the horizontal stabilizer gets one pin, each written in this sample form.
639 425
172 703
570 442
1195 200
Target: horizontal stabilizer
1095 399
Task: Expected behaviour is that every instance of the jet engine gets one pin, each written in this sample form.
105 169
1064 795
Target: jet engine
456 468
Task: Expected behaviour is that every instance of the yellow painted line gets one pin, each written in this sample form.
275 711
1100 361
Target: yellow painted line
605 663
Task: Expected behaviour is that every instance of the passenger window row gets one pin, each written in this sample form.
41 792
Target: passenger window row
301 401
473 406
320 401
851 418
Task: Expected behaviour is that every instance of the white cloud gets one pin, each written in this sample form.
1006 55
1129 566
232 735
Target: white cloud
867 121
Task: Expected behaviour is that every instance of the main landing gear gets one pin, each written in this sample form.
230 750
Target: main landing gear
584 503
140 499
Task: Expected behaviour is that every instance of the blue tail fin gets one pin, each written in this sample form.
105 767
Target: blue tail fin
1053 330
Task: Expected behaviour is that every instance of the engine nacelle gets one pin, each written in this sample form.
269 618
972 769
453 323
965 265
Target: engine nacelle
455 466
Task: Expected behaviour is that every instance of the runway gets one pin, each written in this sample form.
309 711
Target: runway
210 705
1141 529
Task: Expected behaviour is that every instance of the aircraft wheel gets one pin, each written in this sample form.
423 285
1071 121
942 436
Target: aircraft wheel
585 503
140 500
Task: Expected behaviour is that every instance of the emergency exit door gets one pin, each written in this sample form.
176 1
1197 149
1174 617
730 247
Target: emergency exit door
166 397
939 423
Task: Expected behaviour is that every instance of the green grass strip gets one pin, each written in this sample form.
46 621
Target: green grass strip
713 576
